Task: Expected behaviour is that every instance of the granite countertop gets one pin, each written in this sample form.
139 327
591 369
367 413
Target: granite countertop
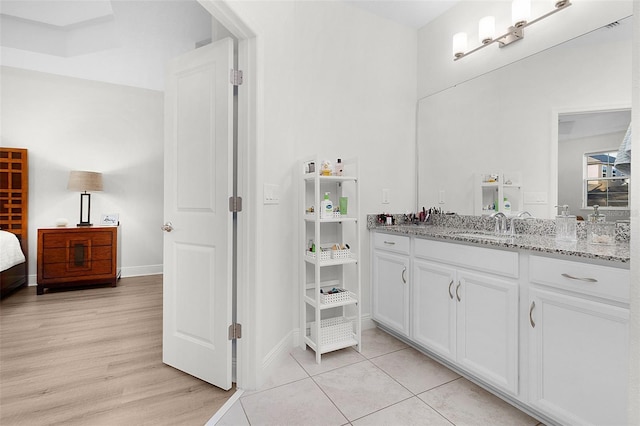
544 243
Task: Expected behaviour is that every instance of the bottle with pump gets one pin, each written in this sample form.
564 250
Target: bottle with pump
565 225
599 231
326 207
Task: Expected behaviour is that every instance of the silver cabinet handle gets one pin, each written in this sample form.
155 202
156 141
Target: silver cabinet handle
531 308
571 277
458 294
167 227
390 243
404 278
450 294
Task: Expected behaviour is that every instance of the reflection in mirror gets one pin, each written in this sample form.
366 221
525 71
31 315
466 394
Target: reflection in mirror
588 144
507 121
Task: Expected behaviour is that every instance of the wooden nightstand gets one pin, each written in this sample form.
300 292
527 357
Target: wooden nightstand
73 257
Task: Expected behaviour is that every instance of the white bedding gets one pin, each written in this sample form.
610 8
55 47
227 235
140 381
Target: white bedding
10 251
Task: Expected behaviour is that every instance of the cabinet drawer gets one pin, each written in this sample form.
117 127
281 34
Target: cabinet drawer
481 259
594 280
86 270
389 242
62 255
97 238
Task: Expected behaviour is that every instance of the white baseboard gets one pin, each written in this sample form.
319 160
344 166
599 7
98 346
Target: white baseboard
137 271
277 353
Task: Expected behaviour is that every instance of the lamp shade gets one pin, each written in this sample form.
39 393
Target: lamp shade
520 12
487 29
459 44
84 181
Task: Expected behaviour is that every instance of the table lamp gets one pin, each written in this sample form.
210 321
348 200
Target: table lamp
85 181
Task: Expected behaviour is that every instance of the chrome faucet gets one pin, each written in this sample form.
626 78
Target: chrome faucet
501 222
520 215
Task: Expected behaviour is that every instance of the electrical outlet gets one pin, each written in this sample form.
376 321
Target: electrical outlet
385 196
271 194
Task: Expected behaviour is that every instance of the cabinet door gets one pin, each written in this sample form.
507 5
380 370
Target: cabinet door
578 359
433 307
487 328
391 290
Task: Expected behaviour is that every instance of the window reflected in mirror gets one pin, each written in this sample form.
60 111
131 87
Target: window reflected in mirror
605 185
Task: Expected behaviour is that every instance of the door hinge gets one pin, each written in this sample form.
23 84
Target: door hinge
235 331
236 77
235 204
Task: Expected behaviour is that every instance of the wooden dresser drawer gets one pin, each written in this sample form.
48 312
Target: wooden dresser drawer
63 255
88 269
63 240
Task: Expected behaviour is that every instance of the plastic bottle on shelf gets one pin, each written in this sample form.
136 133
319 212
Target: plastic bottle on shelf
507 205
326 211
339 168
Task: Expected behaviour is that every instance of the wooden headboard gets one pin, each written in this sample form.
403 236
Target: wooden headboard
14 193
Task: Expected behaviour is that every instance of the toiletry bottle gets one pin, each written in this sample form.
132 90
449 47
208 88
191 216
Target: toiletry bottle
326 211
565 225
339 168
599 231
507 205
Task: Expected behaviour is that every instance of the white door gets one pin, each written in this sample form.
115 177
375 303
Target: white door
197 298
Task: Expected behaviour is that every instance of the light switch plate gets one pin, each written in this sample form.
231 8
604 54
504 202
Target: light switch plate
535 198
271 193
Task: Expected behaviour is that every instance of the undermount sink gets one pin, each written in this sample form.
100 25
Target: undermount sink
485 235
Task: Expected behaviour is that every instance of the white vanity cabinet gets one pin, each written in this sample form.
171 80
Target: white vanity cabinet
466 316
390 281
578 341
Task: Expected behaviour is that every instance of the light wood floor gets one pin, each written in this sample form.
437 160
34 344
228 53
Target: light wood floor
94 357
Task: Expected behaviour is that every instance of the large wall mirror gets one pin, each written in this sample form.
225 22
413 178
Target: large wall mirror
507 120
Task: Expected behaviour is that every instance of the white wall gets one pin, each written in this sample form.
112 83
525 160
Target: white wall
73 124
504 120
337 82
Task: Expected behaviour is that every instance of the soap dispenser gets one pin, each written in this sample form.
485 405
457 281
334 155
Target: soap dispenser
599 231
326 206
565 225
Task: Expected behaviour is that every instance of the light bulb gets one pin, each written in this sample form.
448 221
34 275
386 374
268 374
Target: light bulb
520 12
487 29
459 44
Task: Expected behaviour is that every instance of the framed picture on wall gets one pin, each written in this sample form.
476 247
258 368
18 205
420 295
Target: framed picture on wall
110 219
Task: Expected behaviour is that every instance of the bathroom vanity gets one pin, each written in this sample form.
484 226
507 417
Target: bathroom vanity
540 324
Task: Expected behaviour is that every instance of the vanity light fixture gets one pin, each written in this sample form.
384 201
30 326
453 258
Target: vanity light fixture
520 18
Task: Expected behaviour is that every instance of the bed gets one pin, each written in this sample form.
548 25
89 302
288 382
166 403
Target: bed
14 198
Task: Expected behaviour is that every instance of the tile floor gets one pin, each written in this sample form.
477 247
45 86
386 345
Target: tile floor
389 383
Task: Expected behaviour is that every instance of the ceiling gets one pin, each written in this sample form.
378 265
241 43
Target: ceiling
412 13
128 42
